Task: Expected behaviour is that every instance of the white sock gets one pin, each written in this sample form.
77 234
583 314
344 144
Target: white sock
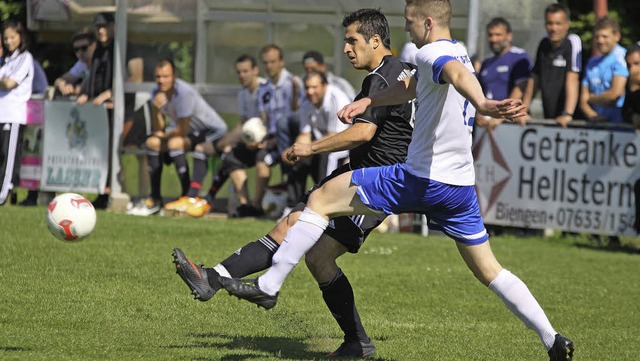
519 300
222 271
298 241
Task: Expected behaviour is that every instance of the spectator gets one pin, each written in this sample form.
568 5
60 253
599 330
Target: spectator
16 81
242 155
557 67
631 106
99 83
605 77
313 60
194 125
318 120
84 44
504 74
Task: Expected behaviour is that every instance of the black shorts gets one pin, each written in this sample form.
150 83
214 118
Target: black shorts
242 157
350 231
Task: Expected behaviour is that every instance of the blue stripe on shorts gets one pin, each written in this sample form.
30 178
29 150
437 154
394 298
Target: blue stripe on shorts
451 209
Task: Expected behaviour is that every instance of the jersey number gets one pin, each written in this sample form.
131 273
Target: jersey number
468 121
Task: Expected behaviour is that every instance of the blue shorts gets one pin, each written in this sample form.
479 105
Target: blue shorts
451 209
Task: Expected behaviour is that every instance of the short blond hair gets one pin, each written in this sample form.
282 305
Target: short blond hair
439 10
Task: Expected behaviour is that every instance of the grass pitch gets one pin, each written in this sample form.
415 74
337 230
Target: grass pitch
115 296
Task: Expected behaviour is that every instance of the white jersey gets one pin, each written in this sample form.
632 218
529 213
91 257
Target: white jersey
324 120
186 102
440 147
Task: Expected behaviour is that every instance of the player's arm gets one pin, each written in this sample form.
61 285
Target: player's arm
400 92
465 83
304 138
182 128
571 97
611 95
352 137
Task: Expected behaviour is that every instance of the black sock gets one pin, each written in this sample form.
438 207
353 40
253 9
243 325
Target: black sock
182 168
155 173
212 276
338 295
199 172
219 178
253 257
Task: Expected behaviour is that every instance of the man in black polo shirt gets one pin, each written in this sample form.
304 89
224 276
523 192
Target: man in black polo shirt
557 67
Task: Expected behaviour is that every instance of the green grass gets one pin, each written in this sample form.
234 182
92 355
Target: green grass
115 296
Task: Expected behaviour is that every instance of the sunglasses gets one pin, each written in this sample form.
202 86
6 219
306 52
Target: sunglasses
82 48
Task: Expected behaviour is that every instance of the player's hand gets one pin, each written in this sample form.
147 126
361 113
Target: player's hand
160 99
349 111
297 151
511 109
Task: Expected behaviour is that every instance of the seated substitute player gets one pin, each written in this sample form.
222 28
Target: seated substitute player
437 178
242 155
380 136
194 125
318 119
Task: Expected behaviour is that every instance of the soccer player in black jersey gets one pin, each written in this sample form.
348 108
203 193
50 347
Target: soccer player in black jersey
379 137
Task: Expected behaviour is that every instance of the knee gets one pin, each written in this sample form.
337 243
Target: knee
176 143
153 143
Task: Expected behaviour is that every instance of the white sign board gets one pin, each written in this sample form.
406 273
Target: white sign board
76 148
579 180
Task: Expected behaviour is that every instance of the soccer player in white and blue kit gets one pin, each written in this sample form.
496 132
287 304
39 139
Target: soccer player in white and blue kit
436 180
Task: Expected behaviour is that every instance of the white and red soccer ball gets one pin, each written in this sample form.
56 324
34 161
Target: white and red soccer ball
71 217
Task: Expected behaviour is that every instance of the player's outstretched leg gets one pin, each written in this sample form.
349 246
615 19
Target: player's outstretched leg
562 349
247 289
195 277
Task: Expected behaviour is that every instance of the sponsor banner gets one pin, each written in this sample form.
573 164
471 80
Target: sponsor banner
76 148
578 180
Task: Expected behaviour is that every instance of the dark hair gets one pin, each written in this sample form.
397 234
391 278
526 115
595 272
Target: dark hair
313 55
370 22
246 57
84 34
607 22
165 62
556 8
499 21
270 47
21 30
635 48
311 74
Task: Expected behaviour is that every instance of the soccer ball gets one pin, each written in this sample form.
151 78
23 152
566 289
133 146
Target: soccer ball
70 217
253 131
273 203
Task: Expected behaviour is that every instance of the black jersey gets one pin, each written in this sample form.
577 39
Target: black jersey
552 65
390 143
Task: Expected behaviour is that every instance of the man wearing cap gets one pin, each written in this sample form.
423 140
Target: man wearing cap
312 60
99 83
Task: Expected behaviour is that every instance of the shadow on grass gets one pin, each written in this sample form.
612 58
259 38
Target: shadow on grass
254 348
625 248
14 348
